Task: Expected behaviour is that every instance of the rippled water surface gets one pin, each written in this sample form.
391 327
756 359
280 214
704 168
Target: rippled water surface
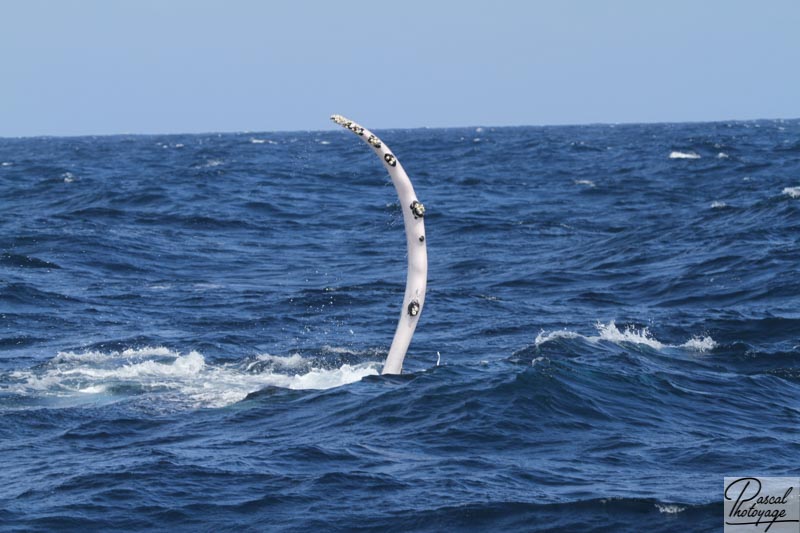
192 328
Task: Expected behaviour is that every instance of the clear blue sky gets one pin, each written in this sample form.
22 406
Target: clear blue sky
123 66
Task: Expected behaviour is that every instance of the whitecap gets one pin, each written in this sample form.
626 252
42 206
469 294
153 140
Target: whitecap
722 155
292 361
6 164
669 508
183 380
588 183
628 335
544 337
700 344
684 155
130 353
792 192
610 332
716 204
69 177
324 142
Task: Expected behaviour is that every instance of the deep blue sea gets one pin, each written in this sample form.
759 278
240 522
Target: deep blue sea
192 328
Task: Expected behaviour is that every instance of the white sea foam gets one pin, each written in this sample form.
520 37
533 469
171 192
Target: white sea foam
628 335
716 204
262 141
610 332
130 353
588 183
6 164
722 155
184 379
544 337
69 177
700 344
792 192
669 508
292 361
324 142
683 155
338 350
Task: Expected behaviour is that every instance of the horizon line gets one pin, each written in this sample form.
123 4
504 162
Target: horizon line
333 128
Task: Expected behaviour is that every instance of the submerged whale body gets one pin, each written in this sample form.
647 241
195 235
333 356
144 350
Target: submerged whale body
414 222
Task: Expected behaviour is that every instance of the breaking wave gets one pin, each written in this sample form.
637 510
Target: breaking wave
629 334
184 379
792 192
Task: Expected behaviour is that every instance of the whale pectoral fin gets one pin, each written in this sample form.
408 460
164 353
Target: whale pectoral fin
414 222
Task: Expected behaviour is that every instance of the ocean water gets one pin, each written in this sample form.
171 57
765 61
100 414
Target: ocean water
192 328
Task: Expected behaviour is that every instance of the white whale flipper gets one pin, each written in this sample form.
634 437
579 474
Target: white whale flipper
413 218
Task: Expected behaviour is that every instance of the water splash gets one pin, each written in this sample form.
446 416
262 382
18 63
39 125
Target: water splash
183 379
610 332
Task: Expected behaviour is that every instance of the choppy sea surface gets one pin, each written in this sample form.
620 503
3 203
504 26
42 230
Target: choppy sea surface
192 329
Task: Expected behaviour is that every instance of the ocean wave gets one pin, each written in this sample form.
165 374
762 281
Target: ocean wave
670 508
24 261
700 344
684 155
628 335
596 514
792 192
183 379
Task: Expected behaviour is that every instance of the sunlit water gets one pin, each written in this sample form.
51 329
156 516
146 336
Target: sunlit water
192 328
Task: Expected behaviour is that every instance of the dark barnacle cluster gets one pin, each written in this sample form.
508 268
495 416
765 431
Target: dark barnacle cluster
390 160
418 209
374 141
355 128
413 308
339 119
